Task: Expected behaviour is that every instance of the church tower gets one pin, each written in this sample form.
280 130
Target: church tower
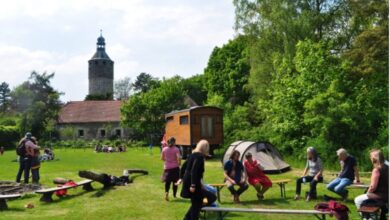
101 72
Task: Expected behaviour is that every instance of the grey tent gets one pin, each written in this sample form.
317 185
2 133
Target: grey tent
263 152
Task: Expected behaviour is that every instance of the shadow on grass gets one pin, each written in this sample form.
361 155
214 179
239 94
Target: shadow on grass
215 216
133 177
57 199
12 210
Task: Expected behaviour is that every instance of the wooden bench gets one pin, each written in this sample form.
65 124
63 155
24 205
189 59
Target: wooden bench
367 211
3 200
222 212
281 183
358 186
219 186
47 193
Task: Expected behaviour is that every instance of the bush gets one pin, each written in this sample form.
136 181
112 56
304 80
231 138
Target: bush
9 136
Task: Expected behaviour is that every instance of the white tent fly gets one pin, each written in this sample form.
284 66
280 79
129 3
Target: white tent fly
263 152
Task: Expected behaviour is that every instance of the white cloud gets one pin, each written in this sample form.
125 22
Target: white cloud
163 38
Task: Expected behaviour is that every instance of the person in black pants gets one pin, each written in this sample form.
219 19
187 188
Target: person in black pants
314 169
192 184
25 159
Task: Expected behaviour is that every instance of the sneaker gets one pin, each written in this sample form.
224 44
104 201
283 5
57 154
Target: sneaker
260 196
297 197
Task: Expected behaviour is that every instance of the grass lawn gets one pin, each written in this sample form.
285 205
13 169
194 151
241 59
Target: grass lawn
144 198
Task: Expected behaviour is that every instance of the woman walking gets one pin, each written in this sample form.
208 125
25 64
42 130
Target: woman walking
171 157
192 181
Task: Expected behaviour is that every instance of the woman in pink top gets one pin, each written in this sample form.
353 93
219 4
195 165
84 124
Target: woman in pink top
171 157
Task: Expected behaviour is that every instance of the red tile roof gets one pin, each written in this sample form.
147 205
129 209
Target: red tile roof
90 111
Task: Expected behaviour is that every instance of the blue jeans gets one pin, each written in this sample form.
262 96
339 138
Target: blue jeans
337 185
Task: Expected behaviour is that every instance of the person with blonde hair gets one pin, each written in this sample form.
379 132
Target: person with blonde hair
379 186
192 180
349 173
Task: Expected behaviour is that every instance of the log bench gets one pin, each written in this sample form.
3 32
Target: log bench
222 212
281 183
131 171
3 200
47 193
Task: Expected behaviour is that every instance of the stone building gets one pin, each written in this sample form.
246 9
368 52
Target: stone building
94 119
101 71
91 120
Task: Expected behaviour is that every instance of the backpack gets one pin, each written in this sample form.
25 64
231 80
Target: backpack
340 211
21 149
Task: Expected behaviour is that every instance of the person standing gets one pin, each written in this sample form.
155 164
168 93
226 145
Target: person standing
171 157
26 152
256 176
315 168
35 163
192 181
379 186
31 148
235 175
349 172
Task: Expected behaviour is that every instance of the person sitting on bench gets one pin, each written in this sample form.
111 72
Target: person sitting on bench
379 186
256 176
315 168
235 175
349 171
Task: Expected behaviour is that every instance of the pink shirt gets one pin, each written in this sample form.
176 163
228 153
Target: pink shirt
170 155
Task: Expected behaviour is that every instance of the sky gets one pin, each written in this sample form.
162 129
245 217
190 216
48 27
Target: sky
162 38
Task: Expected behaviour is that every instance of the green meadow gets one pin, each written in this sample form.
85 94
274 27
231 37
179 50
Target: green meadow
143 199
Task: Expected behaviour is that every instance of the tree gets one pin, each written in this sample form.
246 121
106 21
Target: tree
195 88
276 27
144 112
145 82
37 102
107 96
123 88
227 71
4 96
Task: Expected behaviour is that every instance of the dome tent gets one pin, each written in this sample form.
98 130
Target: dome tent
263 152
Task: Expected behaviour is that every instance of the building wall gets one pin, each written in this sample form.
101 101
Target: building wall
101 76
92 130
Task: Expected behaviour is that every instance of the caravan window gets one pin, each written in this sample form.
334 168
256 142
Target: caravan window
170 118
184 120
207 126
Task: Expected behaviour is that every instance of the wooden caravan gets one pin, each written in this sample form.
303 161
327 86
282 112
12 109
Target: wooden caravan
188 126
